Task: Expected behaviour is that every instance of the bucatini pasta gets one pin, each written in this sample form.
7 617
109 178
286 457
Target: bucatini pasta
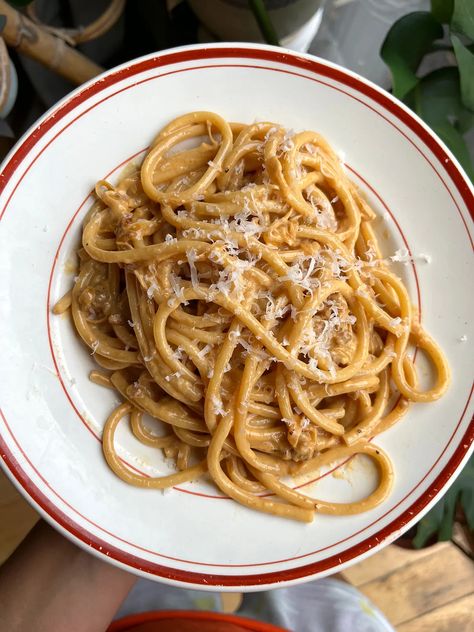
233 288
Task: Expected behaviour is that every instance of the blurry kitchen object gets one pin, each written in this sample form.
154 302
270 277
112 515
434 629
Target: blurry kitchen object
352 33
8 81
295 21
51 47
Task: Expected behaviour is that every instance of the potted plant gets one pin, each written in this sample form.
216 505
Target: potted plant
293 23
443 97
455 507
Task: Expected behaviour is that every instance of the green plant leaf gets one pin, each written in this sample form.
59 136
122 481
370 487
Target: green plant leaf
440 518
428 525
465 60
467 501
456 143
463 17
446 527
437 98
442 10
405 45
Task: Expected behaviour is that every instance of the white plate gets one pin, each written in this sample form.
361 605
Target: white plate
52 416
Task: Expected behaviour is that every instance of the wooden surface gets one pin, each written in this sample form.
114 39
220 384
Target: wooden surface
16 518
431 590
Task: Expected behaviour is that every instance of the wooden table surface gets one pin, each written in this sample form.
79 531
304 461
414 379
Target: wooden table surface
431 590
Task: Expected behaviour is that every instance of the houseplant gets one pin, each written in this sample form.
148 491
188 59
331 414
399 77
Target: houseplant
293 22
443 97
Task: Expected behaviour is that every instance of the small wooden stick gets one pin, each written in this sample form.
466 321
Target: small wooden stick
51 51
5 78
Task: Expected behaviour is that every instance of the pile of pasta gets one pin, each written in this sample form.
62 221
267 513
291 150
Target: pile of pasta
232 288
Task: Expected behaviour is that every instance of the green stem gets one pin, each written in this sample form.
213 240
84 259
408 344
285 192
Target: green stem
264 23
437 46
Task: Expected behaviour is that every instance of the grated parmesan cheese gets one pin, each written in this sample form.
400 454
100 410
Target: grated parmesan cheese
313 365
178 353
286 142
176 287
191 257
245 222
205 350
152 289
195 233
218 405
270 132
259 353
310 148
233 335
212 164
361 291
402 255
305 422
299 276
171 376
395 322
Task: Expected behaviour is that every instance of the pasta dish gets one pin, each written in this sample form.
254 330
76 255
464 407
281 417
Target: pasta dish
233 288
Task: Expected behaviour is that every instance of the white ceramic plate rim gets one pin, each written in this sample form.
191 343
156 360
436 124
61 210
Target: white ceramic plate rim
66 522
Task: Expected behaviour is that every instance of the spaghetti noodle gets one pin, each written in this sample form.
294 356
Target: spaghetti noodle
233 289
